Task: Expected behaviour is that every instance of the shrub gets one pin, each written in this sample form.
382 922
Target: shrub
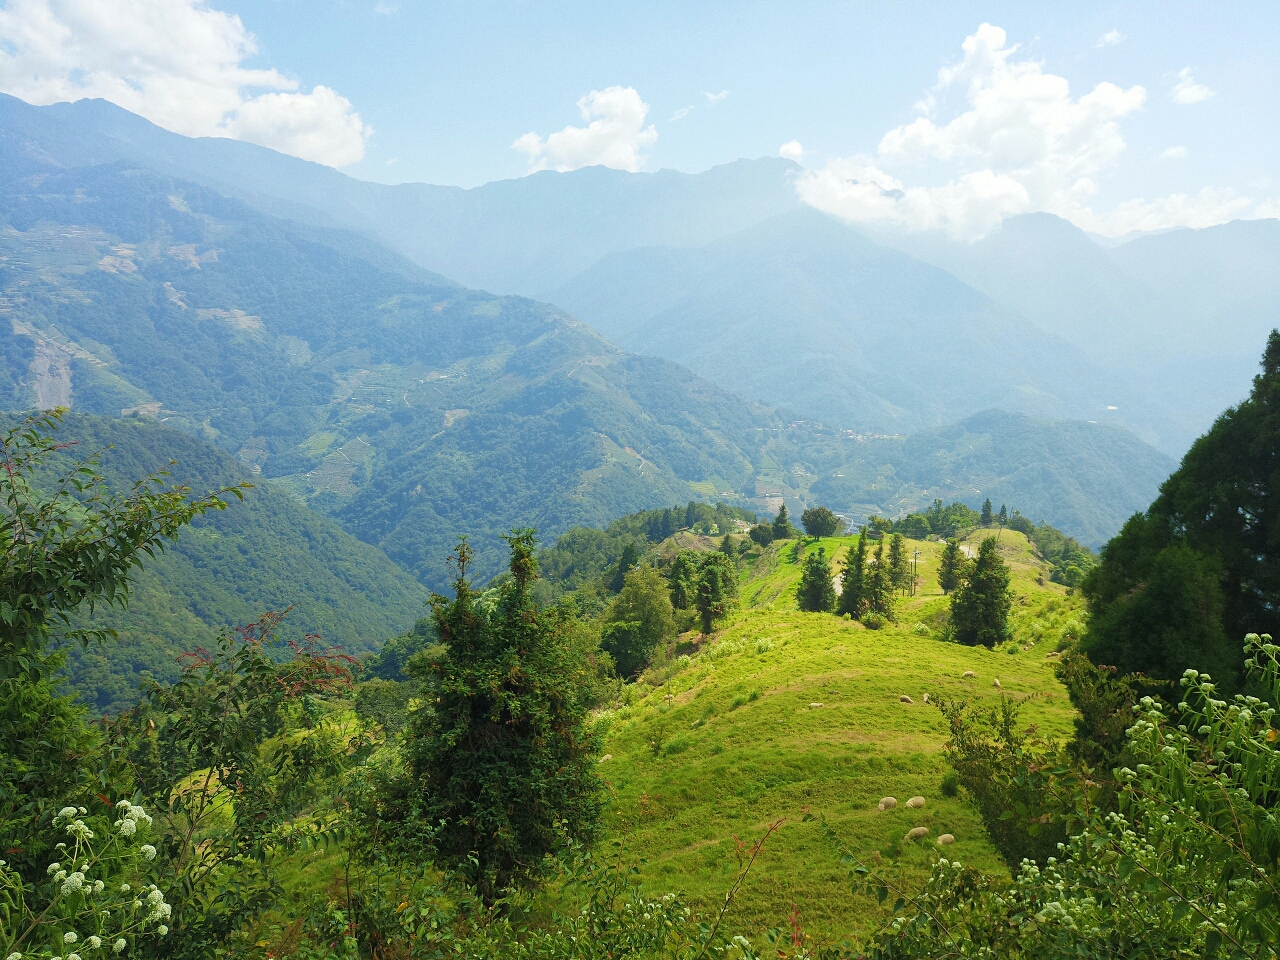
950 785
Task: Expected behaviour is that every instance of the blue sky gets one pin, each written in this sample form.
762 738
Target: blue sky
1185 130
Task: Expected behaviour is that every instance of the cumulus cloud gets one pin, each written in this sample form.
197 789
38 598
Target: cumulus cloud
1186 90
714 98
179 63
1109 39
1174 153
1023 143
791 150
681 114
615 135
1268 209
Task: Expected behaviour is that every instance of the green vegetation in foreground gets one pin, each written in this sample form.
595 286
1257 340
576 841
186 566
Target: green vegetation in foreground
783 713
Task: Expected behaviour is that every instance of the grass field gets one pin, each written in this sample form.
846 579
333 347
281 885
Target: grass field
784 713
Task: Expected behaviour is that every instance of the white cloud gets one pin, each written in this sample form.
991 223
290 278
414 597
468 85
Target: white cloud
681 114
179 63
791 150
615 135
1110 39
385 9
714 98
1268 209
1186 90
1174 153
1202 209
1023 143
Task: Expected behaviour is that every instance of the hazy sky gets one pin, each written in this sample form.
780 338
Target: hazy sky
942 115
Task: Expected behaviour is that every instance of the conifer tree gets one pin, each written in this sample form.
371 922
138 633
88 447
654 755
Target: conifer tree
980 607
817 592
626 563
717 589
727 547
987 516
951 566
683 577
879 585
853 593
690 515
1004 515
899 571
503 757
782 528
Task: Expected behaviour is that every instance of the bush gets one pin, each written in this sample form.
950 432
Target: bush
950 785
821 522
874 621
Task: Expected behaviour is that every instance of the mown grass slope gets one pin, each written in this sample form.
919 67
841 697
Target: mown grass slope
784 713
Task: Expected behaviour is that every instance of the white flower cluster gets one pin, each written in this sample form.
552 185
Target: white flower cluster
131 814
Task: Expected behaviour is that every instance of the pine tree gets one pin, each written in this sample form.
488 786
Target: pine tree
690 515
951 566
817 592
727 547
980 607
987 515
899 571
782 528
626 563
853 592
683 577
879 586
1004 515
503 757
717 589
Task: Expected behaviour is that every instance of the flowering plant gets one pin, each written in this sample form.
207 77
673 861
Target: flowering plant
99 900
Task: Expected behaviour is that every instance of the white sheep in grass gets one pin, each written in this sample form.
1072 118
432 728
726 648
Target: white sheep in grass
996 683
925 698
888 803
968 675
915 803
905 699
946 840
915 833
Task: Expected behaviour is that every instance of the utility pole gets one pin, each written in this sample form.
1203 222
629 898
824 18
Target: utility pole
915 570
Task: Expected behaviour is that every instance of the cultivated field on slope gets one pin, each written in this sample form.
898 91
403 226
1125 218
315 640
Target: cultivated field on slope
784 713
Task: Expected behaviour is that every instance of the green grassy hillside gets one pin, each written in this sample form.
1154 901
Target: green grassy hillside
784 713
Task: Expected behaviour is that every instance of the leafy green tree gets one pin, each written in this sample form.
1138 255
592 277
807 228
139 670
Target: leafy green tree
1203 563
638 621
762 534
683 578
717 589
879 585
782 528
899 564
987 516
980 607
820 522
626 563
817 592
853 592
67 545
502 756
728 547
951 566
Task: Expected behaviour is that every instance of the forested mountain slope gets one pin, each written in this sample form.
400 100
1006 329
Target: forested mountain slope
268 552
802 312
409 408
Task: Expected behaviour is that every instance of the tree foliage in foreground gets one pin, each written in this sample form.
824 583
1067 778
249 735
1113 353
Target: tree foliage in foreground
1203 563
500 755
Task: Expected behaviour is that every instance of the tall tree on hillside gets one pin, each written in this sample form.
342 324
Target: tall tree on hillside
1003 518
728 547
817 592
638 621
503 758
626 563
690 515
987 516
820 522
782 528
879 585
950 566
717 589
899 565
853 592
980 607
683 577
1181 584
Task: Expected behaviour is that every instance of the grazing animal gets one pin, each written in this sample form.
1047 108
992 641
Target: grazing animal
915 803
968 675
946 839
915 833
888 803
905 699
813 706
607 756
996 683
925 698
